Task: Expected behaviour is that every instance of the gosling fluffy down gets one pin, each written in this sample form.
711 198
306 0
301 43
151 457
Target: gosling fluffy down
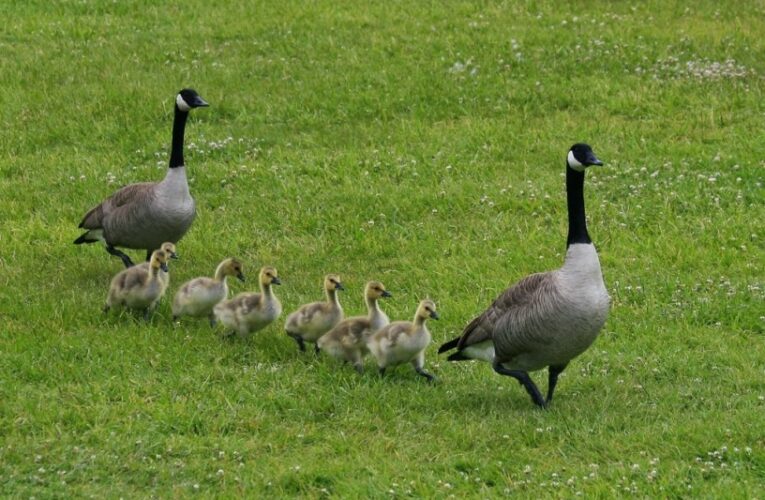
311 321
138 288
249 312
347 341
198 297
404 341
164 276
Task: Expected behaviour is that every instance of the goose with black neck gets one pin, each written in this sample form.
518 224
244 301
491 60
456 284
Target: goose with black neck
547 319
145 215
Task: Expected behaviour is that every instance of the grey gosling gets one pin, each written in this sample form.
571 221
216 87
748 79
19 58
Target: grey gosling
404 341
311 321
249 312
198 297
146 214
347 340
546 319
138 288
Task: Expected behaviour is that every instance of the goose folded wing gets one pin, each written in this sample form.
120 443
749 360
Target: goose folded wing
494 323
125 200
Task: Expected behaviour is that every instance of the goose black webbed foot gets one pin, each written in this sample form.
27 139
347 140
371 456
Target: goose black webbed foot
425 374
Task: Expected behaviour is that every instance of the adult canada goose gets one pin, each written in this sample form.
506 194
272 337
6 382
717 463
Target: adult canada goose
164 276
546 319
313 320
146 214
197 297
249 312
348 339
404 341
138 287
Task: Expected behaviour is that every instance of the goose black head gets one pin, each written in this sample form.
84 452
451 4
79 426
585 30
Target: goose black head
581 156
188 99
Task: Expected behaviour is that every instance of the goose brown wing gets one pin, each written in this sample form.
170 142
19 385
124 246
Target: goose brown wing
133 195
516 297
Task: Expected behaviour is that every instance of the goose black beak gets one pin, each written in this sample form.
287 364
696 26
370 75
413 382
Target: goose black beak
174 255
198 102
276 281
434 315
163 266
386 293
593 160
339 286
240 277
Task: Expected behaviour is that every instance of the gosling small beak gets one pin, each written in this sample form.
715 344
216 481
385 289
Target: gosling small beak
174 255
339 286
240 277
386 293
276 281
163 266
434 315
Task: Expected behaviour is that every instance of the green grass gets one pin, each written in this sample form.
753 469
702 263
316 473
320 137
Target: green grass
421 144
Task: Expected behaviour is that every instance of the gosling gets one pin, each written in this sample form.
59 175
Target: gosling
198 297
164 277
313 320
138 288
403 341
348 339
249 312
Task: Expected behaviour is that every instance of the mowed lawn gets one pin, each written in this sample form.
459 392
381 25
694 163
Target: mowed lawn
418 143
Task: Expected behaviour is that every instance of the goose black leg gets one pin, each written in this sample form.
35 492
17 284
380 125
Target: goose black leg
316 349
553 372
524 379
381 370
148 255
123 256
213 321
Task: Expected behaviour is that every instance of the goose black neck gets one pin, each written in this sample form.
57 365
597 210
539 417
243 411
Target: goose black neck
577 222
179 127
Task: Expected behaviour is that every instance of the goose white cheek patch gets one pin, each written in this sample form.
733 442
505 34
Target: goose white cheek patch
182 105
572 161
